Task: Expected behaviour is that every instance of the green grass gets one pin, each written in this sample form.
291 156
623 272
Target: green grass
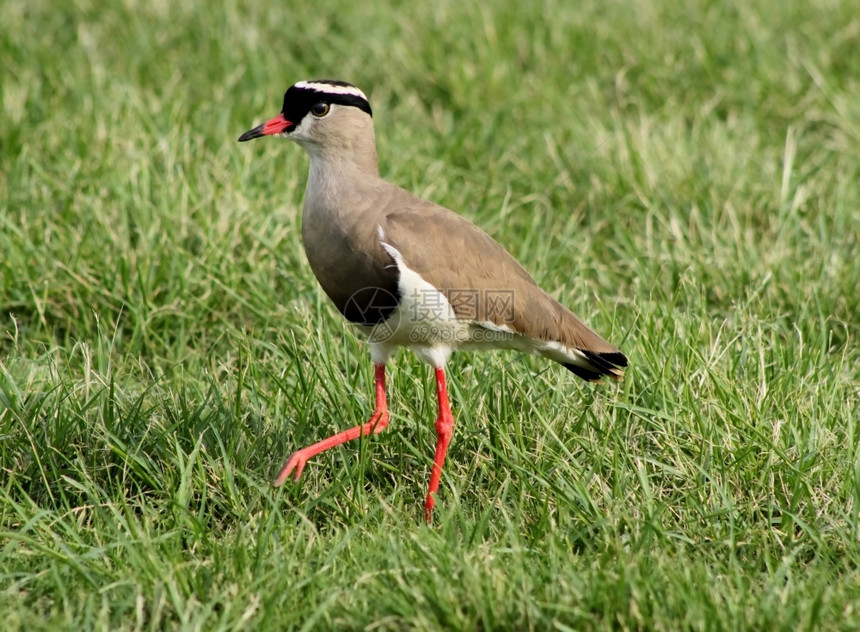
682 175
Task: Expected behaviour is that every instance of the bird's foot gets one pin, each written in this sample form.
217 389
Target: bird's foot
297 462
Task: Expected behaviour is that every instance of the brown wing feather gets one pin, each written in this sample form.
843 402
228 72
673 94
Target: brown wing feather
455 256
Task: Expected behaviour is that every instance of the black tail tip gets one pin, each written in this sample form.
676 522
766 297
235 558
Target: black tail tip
610 364
617 358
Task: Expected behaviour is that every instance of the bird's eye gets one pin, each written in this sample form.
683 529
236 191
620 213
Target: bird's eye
320 109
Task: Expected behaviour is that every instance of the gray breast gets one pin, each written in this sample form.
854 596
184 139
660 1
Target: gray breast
354 271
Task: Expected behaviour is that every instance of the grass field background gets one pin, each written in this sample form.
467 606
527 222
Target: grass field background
682 175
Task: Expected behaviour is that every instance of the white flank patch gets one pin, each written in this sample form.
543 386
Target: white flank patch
331 89
560 353
425 322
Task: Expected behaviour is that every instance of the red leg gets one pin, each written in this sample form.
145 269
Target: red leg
376 424
444 428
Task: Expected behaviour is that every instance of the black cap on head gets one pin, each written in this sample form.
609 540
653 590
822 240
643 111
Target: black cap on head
301 97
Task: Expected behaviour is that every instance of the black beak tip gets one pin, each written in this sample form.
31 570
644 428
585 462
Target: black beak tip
251 134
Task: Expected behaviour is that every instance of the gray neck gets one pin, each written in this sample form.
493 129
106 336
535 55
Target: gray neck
341 174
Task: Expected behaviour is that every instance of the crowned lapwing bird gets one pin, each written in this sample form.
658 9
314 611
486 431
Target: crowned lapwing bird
410 273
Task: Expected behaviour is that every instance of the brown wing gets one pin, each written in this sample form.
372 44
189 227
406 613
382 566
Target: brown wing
465 263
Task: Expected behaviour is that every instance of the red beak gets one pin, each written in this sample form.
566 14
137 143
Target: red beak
277 125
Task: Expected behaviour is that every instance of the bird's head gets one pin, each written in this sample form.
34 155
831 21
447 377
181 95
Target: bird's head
320 113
